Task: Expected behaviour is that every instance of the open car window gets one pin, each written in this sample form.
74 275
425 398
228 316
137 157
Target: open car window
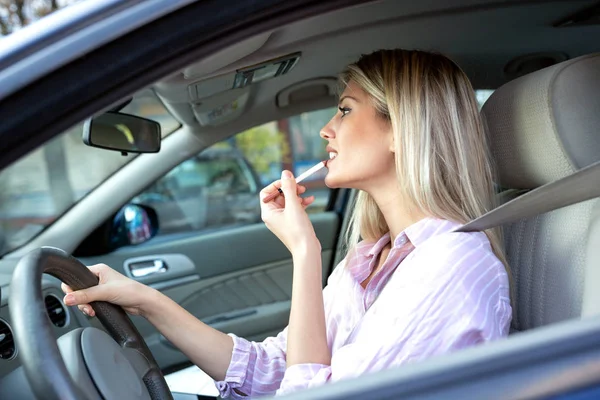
41 186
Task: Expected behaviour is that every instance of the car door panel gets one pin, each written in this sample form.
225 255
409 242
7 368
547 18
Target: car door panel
237 280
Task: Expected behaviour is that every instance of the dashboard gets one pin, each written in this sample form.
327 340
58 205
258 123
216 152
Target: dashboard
63 319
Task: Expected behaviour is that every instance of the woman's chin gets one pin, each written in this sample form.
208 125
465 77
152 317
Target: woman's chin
332 182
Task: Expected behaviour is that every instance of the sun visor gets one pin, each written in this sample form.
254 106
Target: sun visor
226 56
221 108
243 77
223 98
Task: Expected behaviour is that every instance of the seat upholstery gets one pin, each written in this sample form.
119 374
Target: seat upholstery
542 127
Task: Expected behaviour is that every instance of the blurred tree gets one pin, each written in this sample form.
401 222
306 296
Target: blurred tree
15 14
263 146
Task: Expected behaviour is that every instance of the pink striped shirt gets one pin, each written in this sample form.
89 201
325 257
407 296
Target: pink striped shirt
438 291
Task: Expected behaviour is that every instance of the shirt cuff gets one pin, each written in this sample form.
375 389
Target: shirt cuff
303 376
235 376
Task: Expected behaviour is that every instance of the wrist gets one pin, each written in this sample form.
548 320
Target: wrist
306 246
149 301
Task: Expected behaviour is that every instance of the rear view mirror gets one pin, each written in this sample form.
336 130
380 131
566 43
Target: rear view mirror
122 132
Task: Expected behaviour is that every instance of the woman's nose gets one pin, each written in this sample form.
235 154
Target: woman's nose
327 131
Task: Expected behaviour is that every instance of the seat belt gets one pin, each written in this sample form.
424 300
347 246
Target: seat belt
575 188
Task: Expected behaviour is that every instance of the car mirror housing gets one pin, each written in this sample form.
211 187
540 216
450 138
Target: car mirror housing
122 132
132 225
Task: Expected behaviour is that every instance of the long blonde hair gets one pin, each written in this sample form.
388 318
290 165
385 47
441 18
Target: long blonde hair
443 163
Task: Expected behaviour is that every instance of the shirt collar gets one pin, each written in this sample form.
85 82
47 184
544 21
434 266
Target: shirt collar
426 228
379 245
416 233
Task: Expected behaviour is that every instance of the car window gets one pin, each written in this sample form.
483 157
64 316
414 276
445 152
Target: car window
219 187
15 14
482 95
41 186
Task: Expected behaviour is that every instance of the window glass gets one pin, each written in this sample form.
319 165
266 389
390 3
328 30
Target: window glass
16 14
41 186
219 187
147 105
482 95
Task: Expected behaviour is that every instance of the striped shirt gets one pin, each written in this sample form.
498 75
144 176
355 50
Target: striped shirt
437 291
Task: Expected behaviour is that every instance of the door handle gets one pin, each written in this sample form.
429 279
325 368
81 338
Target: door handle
142 269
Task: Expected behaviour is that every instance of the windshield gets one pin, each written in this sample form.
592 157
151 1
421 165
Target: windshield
41 186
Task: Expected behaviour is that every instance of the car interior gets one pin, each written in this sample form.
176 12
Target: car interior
535 65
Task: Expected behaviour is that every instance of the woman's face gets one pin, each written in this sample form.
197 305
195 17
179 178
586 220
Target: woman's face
360 142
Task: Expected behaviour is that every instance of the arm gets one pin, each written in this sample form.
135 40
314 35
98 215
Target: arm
286 217
239 366
205 346
307 338
212 353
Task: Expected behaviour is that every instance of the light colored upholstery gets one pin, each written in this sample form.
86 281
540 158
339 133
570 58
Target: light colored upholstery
542 127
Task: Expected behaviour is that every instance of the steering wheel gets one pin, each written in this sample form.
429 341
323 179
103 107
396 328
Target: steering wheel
85 363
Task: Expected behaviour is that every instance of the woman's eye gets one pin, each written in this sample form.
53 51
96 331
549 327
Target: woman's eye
344 111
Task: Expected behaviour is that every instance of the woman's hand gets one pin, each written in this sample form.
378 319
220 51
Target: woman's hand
113 288
285 215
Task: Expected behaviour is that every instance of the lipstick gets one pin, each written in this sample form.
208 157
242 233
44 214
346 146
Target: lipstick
299 179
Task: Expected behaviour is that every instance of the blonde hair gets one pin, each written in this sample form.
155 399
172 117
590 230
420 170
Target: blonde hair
443 163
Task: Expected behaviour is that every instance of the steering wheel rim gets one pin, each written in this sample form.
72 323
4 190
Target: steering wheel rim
39 352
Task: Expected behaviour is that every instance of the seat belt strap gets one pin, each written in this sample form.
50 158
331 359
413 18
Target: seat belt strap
575 188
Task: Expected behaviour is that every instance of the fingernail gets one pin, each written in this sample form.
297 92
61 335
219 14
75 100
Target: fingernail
86 311
69 299
285 174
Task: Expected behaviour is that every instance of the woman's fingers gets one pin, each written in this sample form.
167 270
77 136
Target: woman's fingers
272 192
65 288
84 308
307 201
304 201
83 298
95 270
86 296
87 310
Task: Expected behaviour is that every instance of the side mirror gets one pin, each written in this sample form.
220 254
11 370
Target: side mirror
122 132
133 224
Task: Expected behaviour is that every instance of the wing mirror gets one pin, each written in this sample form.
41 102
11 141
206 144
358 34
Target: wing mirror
133 224
122 132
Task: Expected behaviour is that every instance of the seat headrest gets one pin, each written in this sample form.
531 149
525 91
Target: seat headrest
546 125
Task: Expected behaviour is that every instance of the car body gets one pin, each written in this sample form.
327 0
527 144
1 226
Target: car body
224 266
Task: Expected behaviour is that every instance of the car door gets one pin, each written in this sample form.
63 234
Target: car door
212 254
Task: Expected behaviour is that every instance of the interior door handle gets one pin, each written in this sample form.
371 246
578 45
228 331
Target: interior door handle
142 269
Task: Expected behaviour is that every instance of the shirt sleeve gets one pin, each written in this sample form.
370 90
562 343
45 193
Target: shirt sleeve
453 311
256 369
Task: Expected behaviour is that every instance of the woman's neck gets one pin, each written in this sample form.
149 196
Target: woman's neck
396 210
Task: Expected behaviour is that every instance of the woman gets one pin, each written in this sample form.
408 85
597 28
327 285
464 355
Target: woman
408 135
